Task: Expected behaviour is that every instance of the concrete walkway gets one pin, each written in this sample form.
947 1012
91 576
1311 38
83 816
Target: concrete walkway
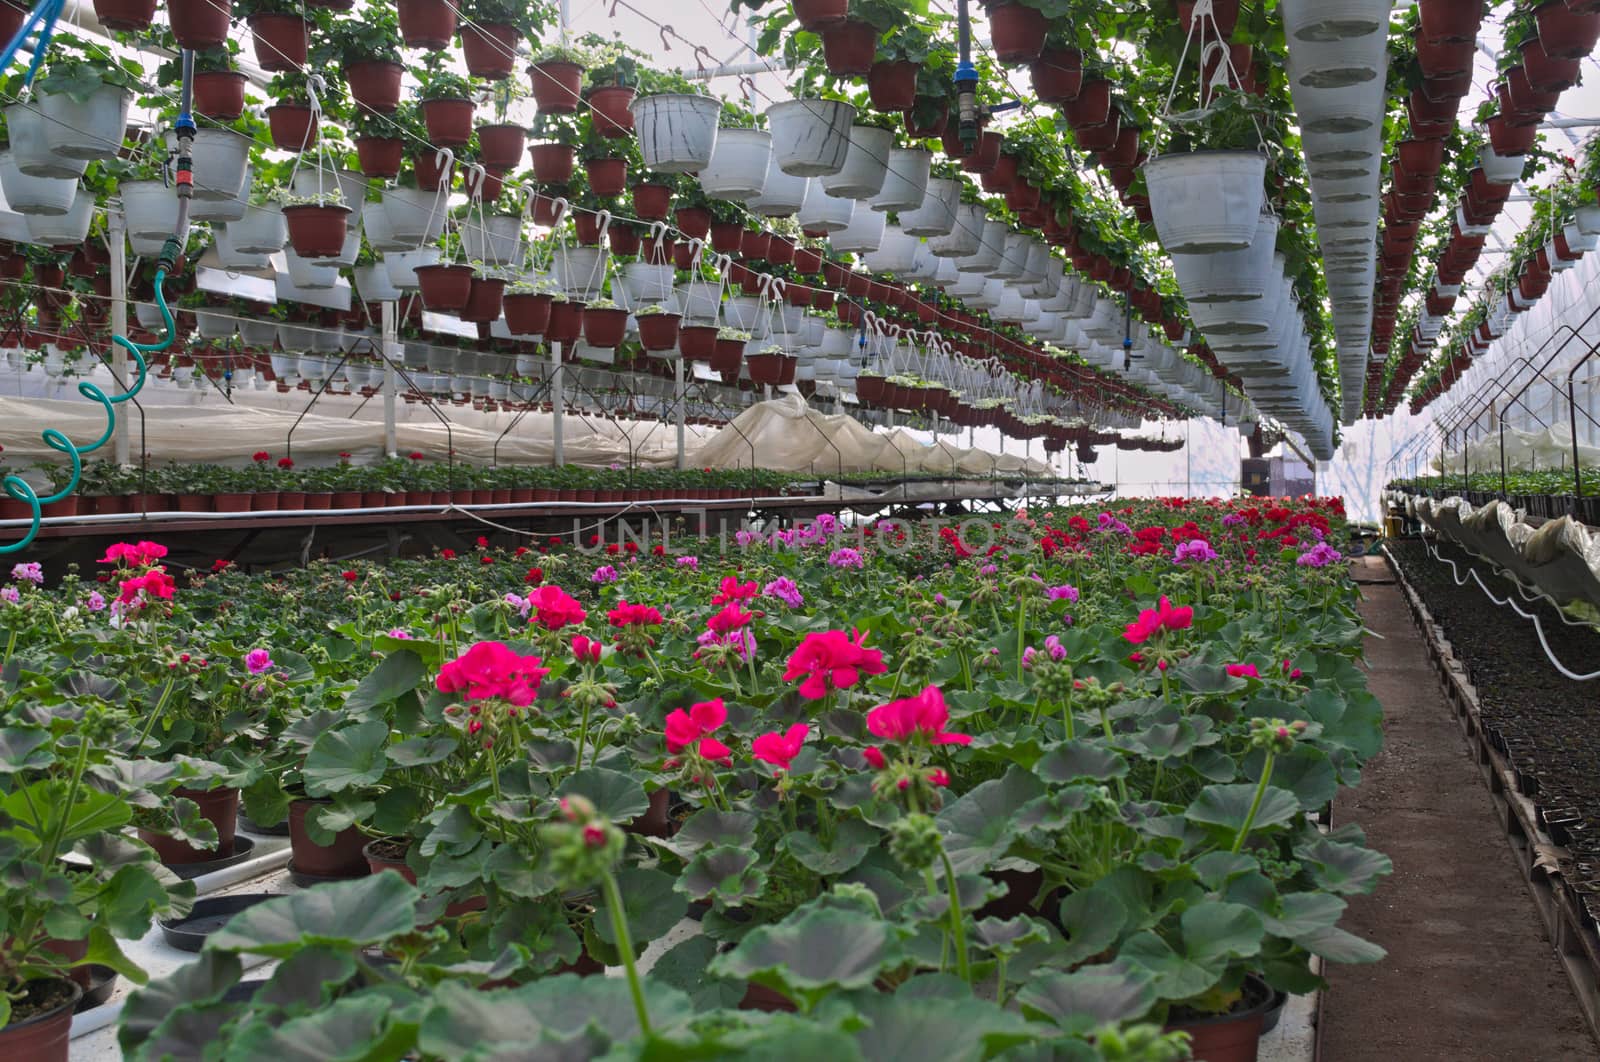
1470 974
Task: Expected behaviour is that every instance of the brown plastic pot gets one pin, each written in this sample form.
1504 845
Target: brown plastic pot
1226 13
500 145
317 230
375 84
426 24
652 202
1092 107
1233 1037
431 171
219 94
43 1037
199 24
612 116
444 288
849 47
1057 75
1546 73
659 331
489 49
557 86
484 299
1444 58
342 859
449 121
1449 20
697 342
263 501
220 807
281 42
566 322
1566 33
552 163
604 328
231 502
892 85
128 16
1508 138
293 126
1016 32
380 156
527 313
607 177
655 822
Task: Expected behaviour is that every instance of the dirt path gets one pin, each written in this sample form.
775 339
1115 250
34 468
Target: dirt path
1470 974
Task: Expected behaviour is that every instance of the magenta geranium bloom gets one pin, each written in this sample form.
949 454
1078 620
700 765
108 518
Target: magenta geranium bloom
1154 621
832 660
554 608
779 748
491 670
919 718
684 728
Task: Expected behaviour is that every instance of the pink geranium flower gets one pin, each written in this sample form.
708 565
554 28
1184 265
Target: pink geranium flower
780 748
913 719
491 670
693 728
554 608
154 584
1155 621
832 660
1242 671
134 554
732 589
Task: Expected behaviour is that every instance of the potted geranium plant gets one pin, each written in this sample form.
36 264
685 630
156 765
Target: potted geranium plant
84 100
367 51
446 105
282 35
491 31
557 75
1207 189
613 84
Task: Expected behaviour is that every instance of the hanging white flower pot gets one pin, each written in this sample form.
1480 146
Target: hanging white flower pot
34 195
1334 20
822 212
937 215
863 234
347 253
1013 258
375 227
415 216
1338 86
495 239
1009 310
213 325
781 194
87 126
1501 169
993 291
698 302
811 138
1042 272
402 265
221 162
1587 220
312 180
738 167
262 230
222 211
677 132
63 230
581 271
152 209
646 282
31 149
1579 241
1206 202
145 246
258 334
1233 276
968 286
987 256
896 253
866 166
905 180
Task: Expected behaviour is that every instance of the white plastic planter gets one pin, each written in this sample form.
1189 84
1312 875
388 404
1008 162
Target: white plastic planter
89 129
351 184
822 212
698 302
1013 258
1234 276
862 236
905 181
48 196
646 282
738 167
987 256
1501 169
63 230
145 246
402 265
1578 240
810 138
261 334
415 216
744 312
375 226
1206 202
896 253
152 209
222 211
495 239
1334 20
781 195
581 271
230 258
262 230
1043 272
1587 220
865 167
213 325
347 253
221 163
937 215
32 151
677 132
312 274
1338 86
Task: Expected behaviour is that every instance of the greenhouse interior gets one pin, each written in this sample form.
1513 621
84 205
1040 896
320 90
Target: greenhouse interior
799 529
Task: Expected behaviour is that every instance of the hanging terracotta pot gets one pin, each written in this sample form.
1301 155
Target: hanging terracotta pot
928 129
1439 89
199 24
694 222
566 322
219 94
1016 31
317 230
489 49
658 331
651 202
484 299
1566 33
1092 107
375 84
1546 73
444 288
293 126
449 121
281 42
603 327
1449 20
1125 152
1002 175
1520 103
807 262
849 47
500 145
612 116
697 342
892 85
125 16
527 313
607 177
1057 75
1430 120
557 86
379 157
726 355
624 239
1444 59
815 14
552 163
726 237
988 154
1101 137
1508 138
587 227
428 24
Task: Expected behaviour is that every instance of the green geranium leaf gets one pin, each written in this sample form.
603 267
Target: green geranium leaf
354 1029
710 828
398 673
815 951
421 751
24 749
908 1026
351 914
1073 761
345 758
510 1023
852 840
981 825
728 875
191 984
649 901
1085 999
1342 868
617 796
1214 931
1092 920
1228 806
1174 976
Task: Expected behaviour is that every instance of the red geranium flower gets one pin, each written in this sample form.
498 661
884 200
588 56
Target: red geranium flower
626 615
1153 621
349 577
534 577
285 462
693 727
554 608
733 590
832 660
780 748
261 455
915 718
491 670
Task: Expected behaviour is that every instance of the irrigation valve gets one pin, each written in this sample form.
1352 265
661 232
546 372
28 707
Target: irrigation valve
967 106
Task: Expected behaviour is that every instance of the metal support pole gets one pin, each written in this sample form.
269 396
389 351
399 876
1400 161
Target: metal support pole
680 411
558 402
117 244
391 356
